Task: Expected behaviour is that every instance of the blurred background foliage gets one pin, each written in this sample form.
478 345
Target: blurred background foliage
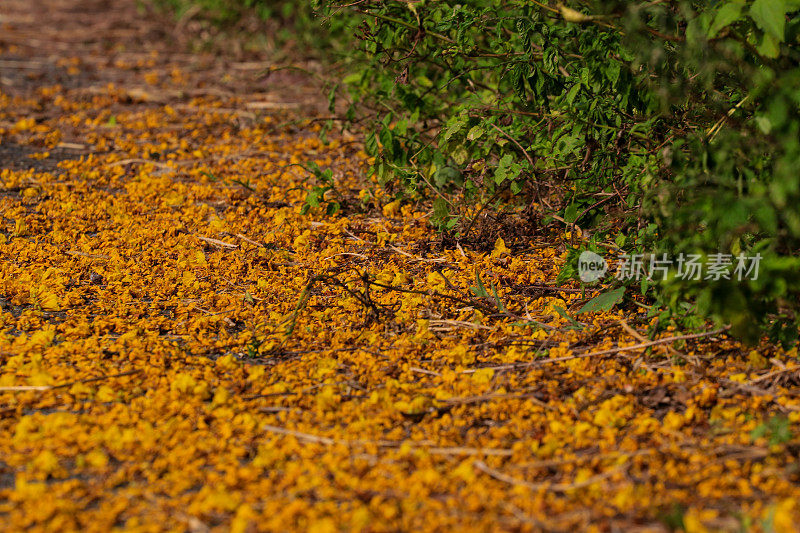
641 126
287 29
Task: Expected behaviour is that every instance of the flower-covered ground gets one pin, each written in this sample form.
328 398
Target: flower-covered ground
182 349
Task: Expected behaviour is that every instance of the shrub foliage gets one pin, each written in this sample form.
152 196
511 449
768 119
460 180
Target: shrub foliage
657 127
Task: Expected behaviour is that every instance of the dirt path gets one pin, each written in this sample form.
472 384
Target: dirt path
181 349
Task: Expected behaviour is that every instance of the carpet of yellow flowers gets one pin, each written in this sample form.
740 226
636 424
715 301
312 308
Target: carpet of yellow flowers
182 349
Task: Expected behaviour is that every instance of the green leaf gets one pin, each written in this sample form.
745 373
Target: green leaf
612 72
563 312
313 168
480 290
585 77
446 176
350 79
460 154
315 195
441 211
332 208
475 132
518 76
386 137
769 47
573 92
727 15
501 174
454 125
371 144
424 81
500 305
763 124
332 98
571 212
770 16
604 301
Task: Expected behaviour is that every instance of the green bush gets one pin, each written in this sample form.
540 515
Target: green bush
279 23
228 12
653 127
665 126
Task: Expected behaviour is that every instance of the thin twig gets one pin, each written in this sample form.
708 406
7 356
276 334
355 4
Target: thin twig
435 450
217 242
251 241
611 351
554 487
136 160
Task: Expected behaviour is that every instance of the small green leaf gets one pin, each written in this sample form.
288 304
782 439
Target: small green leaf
454 125
764 124
480 290
571 213
460 154
371 144
475 133
770 16
386 137
727 15
500 305
441 212
446 176
612 72
353 78
604 301
332 208
424 81
573 92
563 312
501 174
769 46
585 77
